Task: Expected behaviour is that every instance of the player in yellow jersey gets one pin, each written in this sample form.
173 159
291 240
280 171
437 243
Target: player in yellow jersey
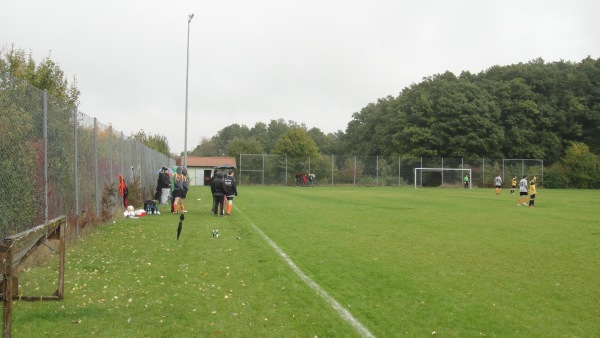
513 185
532 192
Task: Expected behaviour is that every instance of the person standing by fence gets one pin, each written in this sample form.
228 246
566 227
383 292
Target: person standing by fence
185 186
164 184
466 181
177 189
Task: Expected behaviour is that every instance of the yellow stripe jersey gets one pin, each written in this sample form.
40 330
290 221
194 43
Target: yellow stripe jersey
532 187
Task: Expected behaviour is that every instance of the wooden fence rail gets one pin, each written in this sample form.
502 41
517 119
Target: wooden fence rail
14 250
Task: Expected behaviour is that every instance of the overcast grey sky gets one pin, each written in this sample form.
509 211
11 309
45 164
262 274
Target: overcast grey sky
313 62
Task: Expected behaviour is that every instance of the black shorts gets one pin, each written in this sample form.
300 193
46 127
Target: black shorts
177 193
183 194
521 193
498 186
532 196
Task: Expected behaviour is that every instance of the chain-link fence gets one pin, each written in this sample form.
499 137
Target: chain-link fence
55 160
334 170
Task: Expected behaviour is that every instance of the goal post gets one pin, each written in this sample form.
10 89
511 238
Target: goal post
419 174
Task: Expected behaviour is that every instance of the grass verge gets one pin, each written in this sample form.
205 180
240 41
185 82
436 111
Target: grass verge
403 262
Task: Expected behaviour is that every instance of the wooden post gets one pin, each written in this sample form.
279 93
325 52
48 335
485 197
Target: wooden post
12 247
7 295
61 261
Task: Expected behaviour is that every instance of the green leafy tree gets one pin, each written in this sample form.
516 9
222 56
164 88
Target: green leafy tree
276 129
450 117
241 145
416 137
207 147
22 85
297 145
15 63
225 135
327 143
16 127
156 142
260 132
370 131
581 166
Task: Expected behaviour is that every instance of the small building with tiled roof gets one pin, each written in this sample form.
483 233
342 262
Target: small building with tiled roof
200 169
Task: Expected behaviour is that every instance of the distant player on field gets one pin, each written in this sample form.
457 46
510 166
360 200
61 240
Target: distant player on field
513 185
522 191
466 181
498 183
532 192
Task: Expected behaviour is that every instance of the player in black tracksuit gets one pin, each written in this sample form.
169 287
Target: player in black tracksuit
230 188
216 187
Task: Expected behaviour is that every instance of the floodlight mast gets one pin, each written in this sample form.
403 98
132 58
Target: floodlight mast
190 17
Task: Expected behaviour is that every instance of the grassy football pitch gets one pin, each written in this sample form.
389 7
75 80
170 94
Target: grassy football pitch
333 262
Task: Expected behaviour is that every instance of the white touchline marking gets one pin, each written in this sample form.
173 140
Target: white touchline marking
345 314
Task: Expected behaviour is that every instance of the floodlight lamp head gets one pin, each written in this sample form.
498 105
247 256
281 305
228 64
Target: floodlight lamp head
191 17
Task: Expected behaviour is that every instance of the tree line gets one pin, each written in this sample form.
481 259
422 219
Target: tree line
533 110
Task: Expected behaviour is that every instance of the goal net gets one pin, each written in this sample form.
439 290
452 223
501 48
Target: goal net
442 177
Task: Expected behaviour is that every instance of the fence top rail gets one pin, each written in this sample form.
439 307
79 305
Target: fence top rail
262 155
27 235
523 159
465 169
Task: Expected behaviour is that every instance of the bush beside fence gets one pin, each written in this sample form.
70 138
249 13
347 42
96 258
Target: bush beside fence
56 160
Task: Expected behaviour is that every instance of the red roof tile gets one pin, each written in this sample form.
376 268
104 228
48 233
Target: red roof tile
194 161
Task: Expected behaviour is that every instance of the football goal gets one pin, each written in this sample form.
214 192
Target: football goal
431 177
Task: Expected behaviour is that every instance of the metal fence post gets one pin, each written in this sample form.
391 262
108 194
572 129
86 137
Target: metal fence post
332 158
240 175
96 174
399 166
110 146
354 170
443 171
483 173
45 128
377 170
286 170
76 170
122 153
